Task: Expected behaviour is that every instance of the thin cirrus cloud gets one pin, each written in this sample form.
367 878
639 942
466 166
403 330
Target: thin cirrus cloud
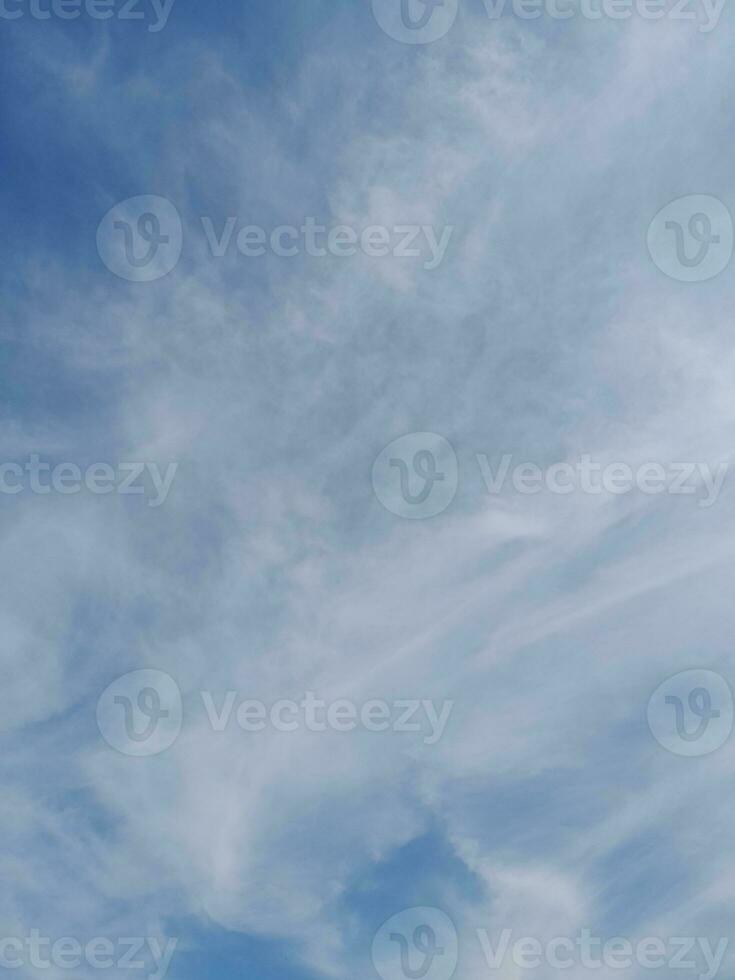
545 332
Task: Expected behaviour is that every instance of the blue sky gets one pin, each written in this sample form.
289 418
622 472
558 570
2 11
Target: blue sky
275 565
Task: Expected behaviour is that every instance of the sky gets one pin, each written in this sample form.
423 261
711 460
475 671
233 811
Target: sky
379 356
